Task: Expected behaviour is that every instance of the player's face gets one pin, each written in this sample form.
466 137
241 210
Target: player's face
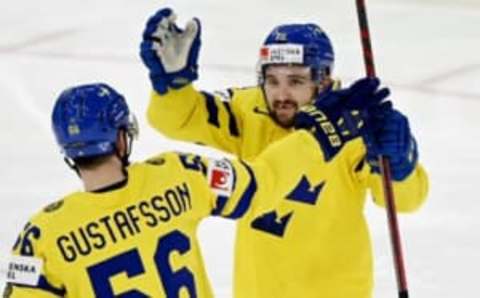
286 89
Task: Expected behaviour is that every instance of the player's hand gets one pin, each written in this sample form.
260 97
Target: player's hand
169 52
388 134
338 116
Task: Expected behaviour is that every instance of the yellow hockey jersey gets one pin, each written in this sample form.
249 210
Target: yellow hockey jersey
138 238
315 243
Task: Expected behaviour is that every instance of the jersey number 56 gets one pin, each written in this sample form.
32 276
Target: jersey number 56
130 263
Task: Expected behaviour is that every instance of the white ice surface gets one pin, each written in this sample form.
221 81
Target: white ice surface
427 51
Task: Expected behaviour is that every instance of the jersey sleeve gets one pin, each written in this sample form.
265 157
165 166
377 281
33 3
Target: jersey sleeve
30 273
409 194
235 186
286 168
199 117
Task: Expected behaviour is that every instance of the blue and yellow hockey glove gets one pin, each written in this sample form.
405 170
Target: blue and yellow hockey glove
170 53
388 133
338 116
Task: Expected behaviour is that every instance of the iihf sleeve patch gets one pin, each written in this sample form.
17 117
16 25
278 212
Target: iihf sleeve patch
221 177
24 270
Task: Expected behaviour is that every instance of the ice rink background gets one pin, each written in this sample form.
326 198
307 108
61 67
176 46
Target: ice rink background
427 51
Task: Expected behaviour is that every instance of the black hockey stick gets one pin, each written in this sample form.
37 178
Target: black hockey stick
384 164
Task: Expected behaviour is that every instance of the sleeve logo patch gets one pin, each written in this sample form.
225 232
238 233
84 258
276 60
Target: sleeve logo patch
24 270
221 177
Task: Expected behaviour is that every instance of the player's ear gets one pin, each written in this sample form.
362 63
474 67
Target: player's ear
122 146
325 84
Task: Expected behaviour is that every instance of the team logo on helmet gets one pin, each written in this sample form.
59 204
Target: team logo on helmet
73 129
103 92
280 36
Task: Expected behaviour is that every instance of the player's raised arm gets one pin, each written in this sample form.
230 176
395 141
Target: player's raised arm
176 108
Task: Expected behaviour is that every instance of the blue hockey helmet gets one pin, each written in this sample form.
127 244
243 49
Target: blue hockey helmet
298 44
86 120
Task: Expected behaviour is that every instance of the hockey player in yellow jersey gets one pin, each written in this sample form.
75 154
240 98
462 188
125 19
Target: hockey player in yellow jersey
132 231
316 244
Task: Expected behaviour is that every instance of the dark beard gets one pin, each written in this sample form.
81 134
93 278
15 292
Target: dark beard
287 125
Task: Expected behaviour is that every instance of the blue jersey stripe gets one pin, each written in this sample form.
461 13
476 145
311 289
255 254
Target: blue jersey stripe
221 202
246 199
43 284
232 123
212 109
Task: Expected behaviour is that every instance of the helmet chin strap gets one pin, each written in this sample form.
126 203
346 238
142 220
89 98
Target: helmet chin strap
124 158
71 164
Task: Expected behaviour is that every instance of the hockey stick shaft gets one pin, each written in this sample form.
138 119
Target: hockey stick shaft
384 163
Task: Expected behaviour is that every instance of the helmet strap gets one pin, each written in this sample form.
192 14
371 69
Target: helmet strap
124 158
71 164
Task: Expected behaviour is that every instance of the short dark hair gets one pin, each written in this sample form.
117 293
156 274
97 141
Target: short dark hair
92 162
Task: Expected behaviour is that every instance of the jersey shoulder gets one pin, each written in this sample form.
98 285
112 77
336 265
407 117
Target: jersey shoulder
55 209
176 165
168 161
248 98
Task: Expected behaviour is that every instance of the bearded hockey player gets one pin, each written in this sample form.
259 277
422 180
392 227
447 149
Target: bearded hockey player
315 243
